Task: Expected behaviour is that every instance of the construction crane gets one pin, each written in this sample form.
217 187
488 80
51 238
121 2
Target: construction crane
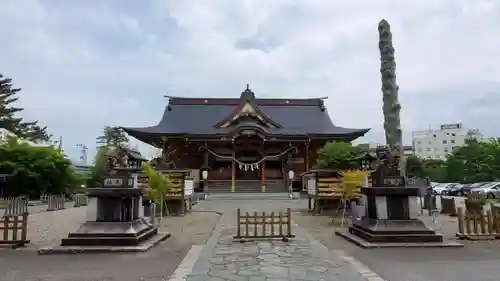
83 151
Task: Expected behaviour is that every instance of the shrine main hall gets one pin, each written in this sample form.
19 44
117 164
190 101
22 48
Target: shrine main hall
245 143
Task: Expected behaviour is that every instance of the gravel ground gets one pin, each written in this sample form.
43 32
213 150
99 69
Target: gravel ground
47 228
155 265
477 261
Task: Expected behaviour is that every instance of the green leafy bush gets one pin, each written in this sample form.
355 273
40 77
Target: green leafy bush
337 155
159 184
35 170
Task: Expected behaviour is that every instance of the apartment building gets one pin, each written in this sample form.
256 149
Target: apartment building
438 143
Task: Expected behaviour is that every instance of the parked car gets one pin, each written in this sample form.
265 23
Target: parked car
438 189
475 185
494 192
461 189
482 188
449 188
489 188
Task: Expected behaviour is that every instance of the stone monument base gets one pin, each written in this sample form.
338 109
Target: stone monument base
111 233
392 221
369 245
134 236
389 231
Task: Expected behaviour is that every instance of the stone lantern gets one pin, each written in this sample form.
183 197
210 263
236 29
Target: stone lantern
117 221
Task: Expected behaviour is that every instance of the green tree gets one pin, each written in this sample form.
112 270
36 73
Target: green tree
432 169
8 114
337 155
112 137
475 162
99 168
35 170
435 170
414 167
158 185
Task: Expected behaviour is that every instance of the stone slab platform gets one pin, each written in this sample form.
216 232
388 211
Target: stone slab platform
302 258
143 247
369 245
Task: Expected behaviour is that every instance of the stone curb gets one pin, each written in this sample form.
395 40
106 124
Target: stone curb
202 265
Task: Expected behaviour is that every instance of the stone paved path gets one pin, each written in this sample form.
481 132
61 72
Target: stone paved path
300 259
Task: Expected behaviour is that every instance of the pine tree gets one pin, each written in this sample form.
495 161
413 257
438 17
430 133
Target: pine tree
112 137
8 114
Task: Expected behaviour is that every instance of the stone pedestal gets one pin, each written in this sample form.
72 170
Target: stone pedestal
391 216
119 220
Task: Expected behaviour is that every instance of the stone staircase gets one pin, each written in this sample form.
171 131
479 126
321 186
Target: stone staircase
246 187
247 190
248 196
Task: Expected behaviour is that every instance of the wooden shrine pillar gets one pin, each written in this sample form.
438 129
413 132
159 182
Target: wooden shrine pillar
233 174
263 176
306 158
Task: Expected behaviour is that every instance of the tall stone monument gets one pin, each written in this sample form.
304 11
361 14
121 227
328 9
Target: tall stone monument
390 98
392 207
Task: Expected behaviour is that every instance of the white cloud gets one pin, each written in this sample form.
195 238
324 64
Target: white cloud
86 64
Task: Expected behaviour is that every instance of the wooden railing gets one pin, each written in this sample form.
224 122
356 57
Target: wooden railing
264 225
15 205
56 202
80 200
478 226
14 230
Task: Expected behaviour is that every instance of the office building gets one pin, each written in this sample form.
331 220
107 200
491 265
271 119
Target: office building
438 143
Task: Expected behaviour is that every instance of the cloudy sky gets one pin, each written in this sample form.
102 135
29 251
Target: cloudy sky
86 64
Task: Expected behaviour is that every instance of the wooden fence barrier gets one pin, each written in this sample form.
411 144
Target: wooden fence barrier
264 225
14 229
152 213
81 200
14 222
448 206
44 198
429 200
56 202
478 226
15 205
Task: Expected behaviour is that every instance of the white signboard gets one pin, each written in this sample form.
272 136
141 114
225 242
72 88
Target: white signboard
117 182
311 186
188 187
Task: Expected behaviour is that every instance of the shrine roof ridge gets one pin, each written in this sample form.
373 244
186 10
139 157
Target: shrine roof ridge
236 101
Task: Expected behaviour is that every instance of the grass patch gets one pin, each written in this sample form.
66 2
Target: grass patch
492 201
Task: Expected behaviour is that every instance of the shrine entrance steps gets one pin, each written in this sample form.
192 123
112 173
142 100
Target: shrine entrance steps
246 186
248 196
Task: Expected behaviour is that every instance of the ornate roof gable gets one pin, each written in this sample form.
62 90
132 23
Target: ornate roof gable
247 107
